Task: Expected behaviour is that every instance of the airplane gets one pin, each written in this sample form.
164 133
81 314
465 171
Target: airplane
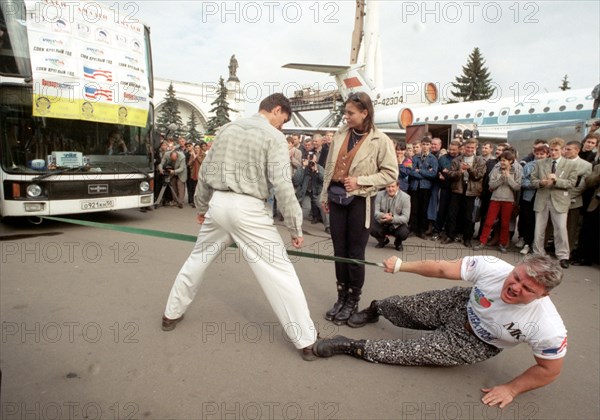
413 104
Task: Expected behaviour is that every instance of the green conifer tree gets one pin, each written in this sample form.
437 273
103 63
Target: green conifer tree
565 84
221 109
475 82
169 113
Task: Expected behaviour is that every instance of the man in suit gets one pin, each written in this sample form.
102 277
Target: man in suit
584 169
553 177
392 211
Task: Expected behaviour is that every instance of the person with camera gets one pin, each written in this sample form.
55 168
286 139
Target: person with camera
173 167
232 209
361 160
392 211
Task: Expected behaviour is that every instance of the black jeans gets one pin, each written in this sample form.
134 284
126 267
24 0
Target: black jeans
350 238
461 213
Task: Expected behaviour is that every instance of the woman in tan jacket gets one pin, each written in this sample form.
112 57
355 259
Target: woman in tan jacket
361 161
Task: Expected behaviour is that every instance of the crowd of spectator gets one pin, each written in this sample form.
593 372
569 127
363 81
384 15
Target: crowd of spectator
548 200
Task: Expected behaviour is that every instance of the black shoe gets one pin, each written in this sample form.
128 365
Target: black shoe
383 243
338 305
364 317
339 345
327 230
170 324
447 240
467 243
307 353
564 263
399 247
421 236
349 308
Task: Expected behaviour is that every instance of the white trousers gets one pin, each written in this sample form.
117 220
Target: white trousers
561 236
246 221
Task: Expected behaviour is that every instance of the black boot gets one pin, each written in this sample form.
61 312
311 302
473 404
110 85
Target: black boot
349 307
339 345
364 317
337 306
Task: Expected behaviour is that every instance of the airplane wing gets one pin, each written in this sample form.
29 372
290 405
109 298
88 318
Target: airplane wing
319 68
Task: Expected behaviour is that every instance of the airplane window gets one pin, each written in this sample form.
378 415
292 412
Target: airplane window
517 111
445 117
531 110
468 116
456 116
547 109
504 112
418 119
478 114
436 118
426 118
562 108
578 107
491 114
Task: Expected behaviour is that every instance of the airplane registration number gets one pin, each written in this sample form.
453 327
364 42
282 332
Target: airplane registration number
392 100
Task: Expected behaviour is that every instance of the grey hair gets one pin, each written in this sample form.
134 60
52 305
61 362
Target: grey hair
544 270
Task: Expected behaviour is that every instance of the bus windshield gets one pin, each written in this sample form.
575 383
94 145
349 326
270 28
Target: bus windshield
31 145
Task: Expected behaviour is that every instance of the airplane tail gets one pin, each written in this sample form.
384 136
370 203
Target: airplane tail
349 79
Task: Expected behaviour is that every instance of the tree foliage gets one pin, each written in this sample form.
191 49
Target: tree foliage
565 84
169 113
220 108
192 132
475 82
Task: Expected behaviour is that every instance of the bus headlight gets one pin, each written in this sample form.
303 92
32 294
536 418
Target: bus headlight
144 186
34 191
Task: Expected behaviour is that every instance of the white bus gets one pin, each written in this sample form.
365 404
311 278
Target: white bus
76 112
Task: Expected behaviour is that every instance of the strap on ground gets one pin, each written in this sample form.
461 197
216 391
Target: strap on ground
192 238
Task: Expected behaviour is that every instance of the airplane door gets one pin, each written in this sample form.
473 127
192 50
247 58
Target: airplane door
478 117
503 115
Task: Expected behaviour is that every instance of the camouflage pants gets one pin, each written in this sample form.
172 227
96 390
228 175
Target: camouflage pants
443 313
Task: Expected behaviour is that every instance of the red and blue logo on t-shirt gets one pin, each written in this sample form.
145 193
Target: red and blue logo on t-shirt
558 349
481 299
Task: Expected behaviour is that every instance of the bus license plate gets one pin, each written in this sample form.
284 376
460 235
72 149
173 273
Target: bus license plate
97 205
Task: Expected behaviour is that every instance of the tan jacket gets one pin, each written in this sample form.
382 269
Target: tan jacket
558 194
594 181
584 169
374 165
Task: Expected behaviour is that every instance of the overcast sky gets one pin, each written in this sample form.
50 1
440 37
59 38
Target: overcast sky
522 42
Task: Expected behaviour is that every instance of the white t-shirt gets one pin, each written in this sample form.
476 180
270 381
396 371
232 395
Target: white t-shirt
506 325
